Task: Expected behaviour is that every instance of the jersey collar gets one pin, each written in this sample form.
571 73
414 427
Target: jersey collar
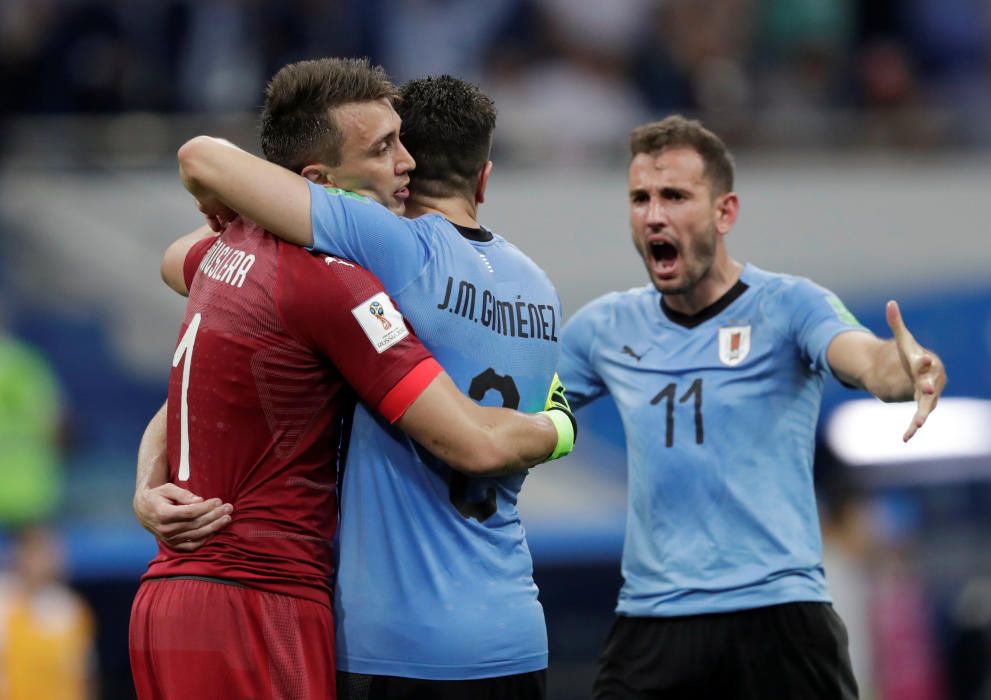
479 235
712 310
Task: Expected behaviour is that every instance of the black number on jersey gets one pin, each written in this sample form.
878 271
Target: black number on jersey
458 485
668 393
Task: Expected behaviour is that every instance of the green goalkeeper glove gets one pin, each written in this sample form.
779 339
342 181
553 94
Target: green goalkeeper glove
557 409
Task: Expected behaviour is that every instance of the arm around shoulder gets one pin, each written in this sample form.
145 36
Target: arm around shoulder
216 171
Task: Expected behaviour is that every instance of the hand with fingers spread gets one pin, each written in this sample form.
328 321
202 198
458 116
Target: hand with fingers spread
924 369
179 518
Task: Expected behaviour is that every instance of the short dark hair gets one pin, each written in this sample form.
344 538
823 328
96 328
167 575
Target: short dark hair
678 132
297 124
447 128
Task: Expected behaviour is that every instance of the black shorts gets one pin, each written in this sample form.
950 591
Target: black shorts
797 650
522 686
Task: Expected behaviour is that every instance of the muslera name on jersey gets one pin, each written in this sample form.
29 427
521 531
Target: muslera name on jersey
227 265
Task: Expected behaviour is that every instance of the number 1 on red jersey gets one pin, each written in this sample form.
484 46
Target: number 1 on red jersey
185 348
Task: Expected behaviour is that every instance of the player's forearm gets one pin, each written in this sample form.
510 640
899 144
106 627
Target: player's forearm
268 194
153 467
476 440
886 377
201 163
176 517
510 441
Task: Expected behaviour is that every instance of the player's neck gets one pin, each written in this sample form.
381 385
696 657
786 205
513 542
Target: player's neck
457 210
722 276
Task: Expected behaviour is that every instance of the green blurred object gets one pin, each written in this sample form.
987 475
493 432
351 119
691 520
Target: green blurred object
30 473
789 25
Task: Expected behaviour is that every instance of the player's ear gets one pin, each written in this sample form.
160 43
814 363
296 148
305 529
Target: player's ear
727 208
483 181
317 173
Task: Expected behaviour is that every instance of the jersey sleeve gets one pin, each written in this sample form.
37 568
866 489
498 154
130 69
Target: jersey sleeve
360 229
194 256
342 311
815 317
582 382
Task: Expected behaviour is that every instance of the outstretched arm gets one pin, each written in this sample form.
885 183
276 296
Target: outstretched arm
177 517
897 369
222 177
484 441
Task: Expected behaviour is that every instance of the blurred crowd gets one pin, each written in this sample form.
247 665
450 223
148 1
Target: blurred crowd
565 73
47 630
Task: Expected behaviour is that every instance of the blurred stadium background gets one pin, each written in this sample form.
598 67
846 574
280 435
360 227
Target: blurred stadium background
862 130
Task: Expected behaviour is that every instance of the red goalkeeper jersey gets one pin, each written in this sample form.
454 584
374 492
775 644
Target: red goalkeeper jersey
275 346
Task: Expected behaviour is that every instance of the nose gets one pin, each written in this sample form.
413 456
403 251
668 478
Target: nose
656 215
404 161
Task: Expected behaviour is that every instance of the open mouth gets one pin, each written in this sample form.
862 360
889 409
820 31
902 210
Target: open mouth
664 256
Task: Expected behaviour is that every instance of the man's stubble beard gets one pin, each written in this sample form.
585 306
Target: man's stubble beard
703 256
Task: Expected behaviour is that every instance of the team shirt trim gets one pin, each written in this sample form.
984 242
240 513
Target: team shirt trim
479 235
711 311
400 397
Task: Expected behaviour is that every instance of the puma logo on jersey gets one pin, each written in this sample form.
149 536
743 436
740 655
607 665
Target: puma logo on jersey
330 260
629 351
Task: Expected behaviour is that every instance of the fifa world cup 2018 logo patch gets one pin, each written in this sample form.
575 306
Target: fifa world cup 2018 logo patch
379 313
387 329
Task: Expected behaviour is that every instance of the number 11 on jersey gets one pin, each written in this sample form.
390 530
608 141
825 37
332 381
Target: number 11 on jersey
184 352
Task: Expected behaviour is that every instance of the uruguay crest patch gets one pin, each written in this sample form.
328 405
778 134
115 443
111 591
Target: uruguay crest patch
734 345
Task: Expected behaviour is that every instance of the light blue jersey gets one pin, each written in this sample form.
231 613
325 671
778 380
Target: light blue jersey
720 412
435 578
